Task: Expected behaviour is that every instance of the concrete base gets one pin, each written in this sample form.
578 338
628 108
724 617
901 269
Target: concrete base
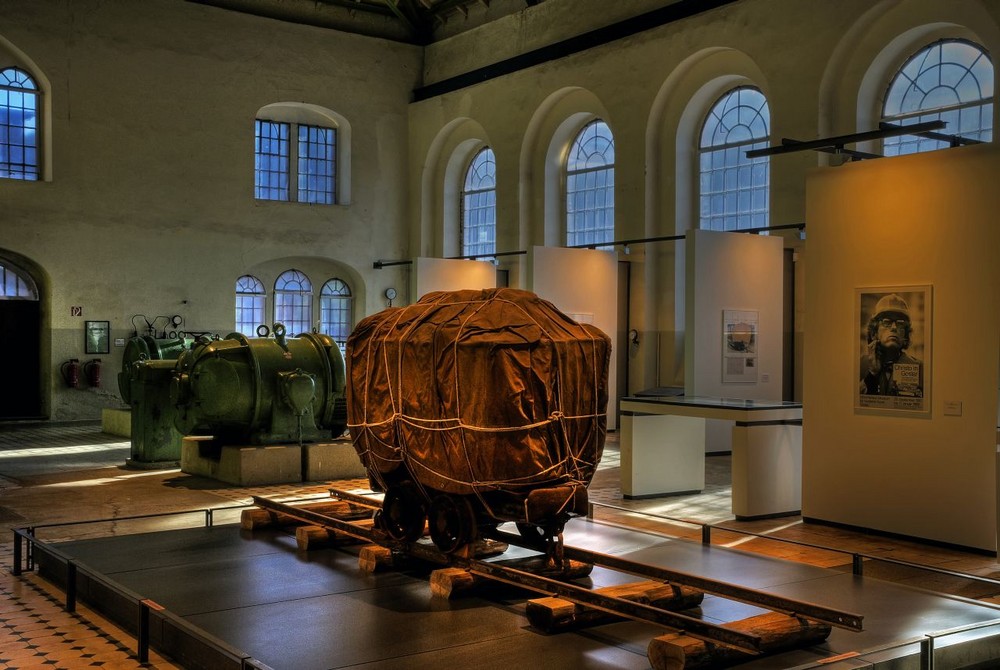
116 422
243 466
331 460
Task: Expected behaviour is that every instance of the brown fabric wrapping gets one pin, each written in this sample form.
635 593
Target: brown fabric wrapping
478 390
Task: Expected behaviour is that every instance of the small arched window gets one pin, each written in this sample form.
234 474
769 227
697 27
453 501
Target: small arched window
733 189
590 186
18 125
16 285
335 311
293 302
249 305
479 205
950 80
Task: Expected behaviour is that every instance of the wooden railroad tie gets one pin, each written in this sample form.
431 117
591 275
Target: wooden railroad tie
777 632
555 615
256 518
318 537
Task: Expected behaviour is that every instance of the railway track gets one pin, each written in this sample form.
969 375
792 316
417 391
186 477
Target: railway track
695 641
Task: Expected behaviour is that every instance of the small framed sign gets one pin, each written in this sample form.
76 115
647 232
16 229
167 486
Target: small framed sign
97 337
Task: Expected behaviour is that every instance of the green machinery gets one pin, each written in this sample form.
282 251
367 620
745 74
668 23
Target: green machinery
144 383
253 391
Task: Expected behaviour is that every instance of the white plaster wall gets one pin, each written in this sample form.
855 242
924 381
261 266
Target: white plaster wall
150 208
441 274
922 219
583 284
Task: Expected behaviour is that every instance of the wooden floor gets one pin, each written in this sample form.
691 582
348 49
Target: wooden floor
56 474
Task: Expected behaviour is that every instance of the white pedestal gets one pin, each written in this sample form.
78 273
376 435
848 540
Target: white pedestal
767 470
662 455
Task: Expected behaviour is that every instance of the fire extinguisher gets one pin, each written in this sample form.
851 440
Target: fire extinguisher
71 372
93 371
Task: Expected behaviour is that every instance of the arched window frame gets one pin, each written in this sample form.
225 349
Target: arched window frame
590 186
293 300
250 300
734 191
16 284
950 79
336 310
478 203
302 154
20 146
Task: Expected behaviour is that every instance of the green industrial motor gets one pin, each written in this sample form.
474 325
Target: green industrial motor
144 383
261 390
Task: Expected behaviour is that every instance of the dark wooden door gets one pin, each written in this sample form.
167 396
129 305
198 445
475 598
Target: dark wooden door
20 361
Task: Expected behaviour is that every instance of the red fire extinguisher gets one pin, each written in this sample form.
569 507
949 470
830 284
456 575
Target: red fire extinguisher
71 372
93 371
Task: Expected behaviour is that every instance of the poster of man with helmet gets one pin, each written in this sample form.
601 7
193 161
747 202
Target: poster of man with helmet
895 349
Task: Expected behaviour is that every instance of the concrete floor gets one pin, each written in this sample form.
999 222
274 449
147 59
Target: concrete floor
58 474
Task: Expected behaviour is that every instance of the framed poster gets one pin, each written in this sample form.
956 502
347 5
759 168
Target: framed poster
97 337
894 350
739 345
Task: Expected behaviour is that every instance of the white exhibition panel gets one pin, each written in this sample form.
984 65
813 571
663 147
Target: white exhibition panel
662 455
767 454
729 272
583 284
925 219
444 274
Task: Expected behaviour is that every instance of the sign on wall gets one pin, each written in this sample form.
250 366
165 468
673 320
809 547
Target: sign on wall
739 345
894 345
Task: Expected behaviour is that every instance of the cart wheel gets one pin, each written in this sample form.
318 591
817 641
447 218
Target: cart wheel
403 512
452 522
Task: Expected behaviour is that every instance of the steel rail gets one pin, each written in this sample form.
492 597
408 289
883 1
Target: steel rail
689 625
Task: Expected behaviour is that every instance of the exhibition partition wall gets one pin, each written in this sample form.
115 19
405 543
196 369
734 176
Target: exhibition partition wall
582 283
443 274
902 265
734 329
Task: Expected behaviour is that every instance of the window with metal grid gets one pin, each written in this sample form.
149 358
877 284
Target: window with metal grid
18 125
16 285
335 311
479 205
293 302
317 164
949 80
271 160
249 305
590 187
734 189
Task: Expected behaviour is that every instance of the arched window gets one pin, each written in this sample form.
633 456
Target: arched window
733 189
950 80
590 186
249 305
18 125
309 162
335 311
293 302
479 205
16 285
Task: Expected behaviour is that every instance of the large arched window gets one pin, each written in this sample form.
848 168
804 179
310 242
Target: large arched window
18 125
733 189
293 302
249 305
15 285
590 186
950 80
479 205
335 311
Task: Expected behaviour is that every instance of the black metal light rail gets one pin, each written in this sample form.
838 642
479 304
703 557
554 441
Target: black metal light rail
580 595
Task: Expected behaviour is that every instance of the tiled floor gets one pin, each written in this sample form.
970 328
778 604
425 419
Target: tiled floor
58 474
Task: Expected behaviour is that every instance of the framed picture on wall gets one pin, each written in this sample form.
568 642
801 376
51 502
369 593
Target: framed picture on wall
97 337
739 345
894 350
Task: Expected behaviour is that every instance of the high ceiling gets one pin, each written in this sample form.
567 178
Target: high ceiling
413 21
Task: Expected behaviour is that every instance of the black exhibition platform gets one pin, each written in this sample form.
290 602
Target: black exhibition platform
292 610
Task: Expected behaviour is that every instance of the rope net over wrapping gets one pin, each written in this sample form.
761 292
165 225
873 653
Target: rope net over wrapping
473 391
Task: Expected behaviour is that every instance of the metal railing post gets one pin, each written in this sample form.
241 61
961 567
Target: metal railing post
70 586
858 564
143 639
706 534
927 654
18 548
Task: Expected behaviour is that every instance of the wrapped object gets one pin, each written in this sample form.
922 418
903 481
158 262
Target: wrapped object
478 391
